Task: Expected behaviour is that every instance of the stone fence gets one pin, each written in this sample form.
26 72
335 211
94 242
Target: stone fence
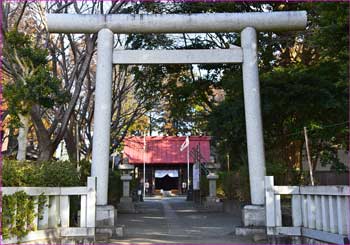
54 223
318 212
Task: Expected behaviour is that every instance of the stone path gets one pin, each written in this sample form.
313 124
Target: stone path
174 220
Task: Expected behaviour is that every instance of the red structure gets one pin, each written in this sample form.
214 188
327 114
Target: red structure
163 149
166 165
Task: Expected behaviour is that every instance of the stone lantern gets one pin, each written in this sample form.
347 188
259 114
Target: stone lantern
211 200
126 204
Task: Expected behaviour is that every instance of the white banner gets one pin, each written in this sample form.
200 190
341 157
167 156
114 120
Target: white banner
196 176
162 173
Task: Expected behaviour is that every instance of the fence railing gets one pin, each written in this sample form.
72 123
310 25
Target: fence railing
55 220
317 212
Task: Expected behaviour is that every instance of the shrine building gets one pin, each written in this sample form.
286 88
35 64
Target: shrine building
165 164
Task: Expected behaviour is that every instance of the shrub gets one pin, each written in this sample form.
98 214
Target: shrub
46 174
29 173
115 188
284 175
204 185
235 184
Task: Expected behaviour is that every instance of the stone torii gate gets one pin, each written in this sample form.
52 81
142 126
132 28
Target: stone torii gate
246 23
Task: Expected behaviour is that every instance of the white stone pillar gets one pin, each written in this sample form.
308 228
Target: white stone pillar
254 129
102 114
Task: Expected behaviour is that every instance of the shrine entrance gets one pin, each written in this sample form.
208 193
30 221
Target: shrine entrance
167 180
248 24
161 165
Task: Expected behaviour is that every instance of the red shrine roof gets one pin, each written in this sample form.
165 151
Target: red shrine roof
164 149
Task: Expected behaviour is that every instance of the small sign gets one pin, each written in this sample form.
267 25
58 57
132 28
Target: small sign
196 176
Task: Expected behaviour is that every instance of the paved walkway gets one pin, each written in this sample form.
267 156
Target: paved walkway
174 220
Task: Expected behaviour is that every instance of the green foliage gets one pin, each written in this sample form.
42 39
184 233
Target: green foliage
18 209
115 188
204 185
329 156
31 81
58 174
46 174
285 176
17 215
305 85
84 170
235 184
331 31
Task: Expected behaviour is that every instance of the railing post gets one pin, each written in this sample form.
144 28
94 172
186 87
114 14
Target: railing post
297 211
269 204
341 210
54 217
44 222
311 212
319 217
83 211
278 210
347 213
325 214
64 211
36 211
91 203
333 214
304 210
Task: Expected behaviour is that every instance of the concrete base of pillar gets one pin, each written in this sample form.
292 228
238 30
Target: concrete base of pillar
253 215
212 204
126 205
105 215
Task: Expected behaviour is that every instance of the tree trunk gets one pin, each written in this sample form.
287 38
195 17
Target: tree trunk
71 144
46 153
46 146
22 137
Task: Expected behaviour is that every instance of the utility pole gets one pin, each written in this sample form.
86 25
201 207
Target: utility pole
308 156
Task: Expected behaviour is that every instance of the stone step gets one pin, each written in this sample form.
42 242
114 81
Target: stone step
105 233
102 237
250 230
